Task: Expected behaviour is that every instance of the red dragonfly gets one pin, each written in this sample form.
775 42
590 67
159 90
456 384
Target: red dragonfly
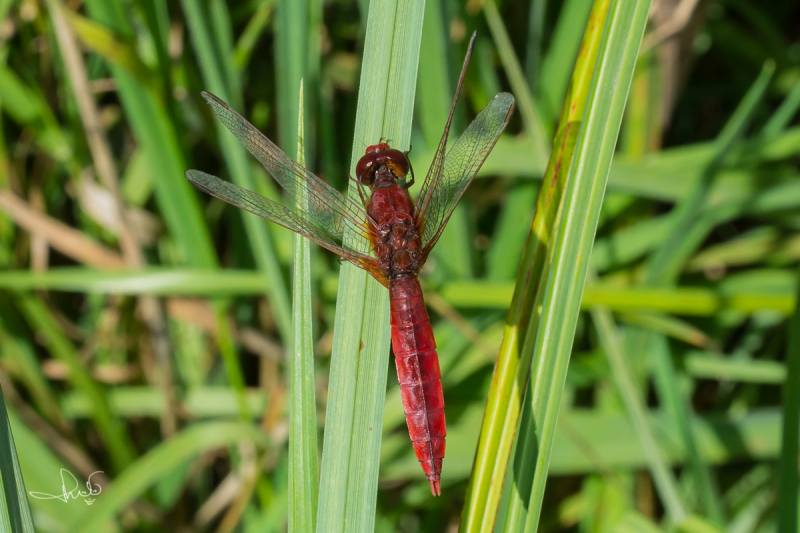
393 237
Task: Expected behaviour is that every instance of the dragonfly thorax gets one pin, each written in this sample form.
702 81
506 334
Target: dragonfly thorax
399 251
395 236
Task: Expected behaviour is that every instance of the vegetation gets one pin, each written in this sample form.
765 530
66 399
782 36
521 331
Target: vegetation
223 376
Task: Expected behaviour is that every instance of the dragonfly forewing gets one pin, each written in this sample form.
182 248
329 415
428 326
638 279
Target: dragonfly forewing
274 212
332 210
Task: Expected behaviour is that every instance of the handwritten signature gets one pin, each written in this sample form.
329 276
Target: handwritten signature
71 490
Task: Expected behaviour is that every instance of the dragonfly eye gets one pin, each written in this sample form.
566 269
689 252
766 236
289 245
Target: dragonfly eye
395 160
365 169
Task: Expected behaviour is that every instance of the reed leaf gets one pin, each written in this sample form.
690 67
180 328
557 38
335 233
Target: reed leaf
564 277
304 468
513 363
351 445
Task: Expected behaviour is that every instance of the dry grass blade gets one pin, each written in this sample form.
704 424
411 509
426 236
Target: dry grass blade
65 239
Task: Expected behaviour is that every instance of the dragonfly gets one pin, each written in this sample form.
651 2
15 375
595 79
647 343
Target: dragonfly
388 235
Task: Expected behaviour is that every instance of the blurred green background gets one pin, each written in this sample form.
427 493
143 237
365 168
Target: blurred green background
126 297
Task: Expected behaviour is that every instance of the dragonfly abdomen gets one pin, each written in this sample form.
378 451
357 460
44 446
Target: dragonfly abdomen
418 372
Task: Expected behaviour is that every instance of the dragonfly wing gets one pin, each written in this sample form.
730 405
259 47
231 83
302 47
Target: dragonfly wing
461 164
332 210
277 213
426 193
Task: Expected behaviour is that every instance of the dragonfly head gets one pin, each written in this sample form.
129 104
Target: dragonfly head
381 156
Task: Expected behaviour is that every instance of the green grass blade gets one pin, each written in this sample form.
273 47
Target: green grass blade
527 108
512 232
40 466
27 368
28 107
670 326
158 281
665 481
689 301
221 83
669 393
537 15
666 263
569 256
702 365
155 133
201 402
784 114
357 388
15 514
250 35
303 469
553 80
291 55
222 35
102 41
513 364
788 489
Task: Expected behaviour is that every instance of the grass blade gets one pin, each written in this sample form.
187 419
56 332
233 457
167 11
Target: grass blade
156 134
569 256
687 300
665 481
351 446
553 80
290 59
15 514
784 114
219 82
666 263
303 472
527 108
510 374
788 490
682 416
453 252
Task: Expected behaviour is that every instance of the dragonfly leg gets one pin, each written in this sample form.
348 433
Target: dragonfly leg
410 170
361 194
360 191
